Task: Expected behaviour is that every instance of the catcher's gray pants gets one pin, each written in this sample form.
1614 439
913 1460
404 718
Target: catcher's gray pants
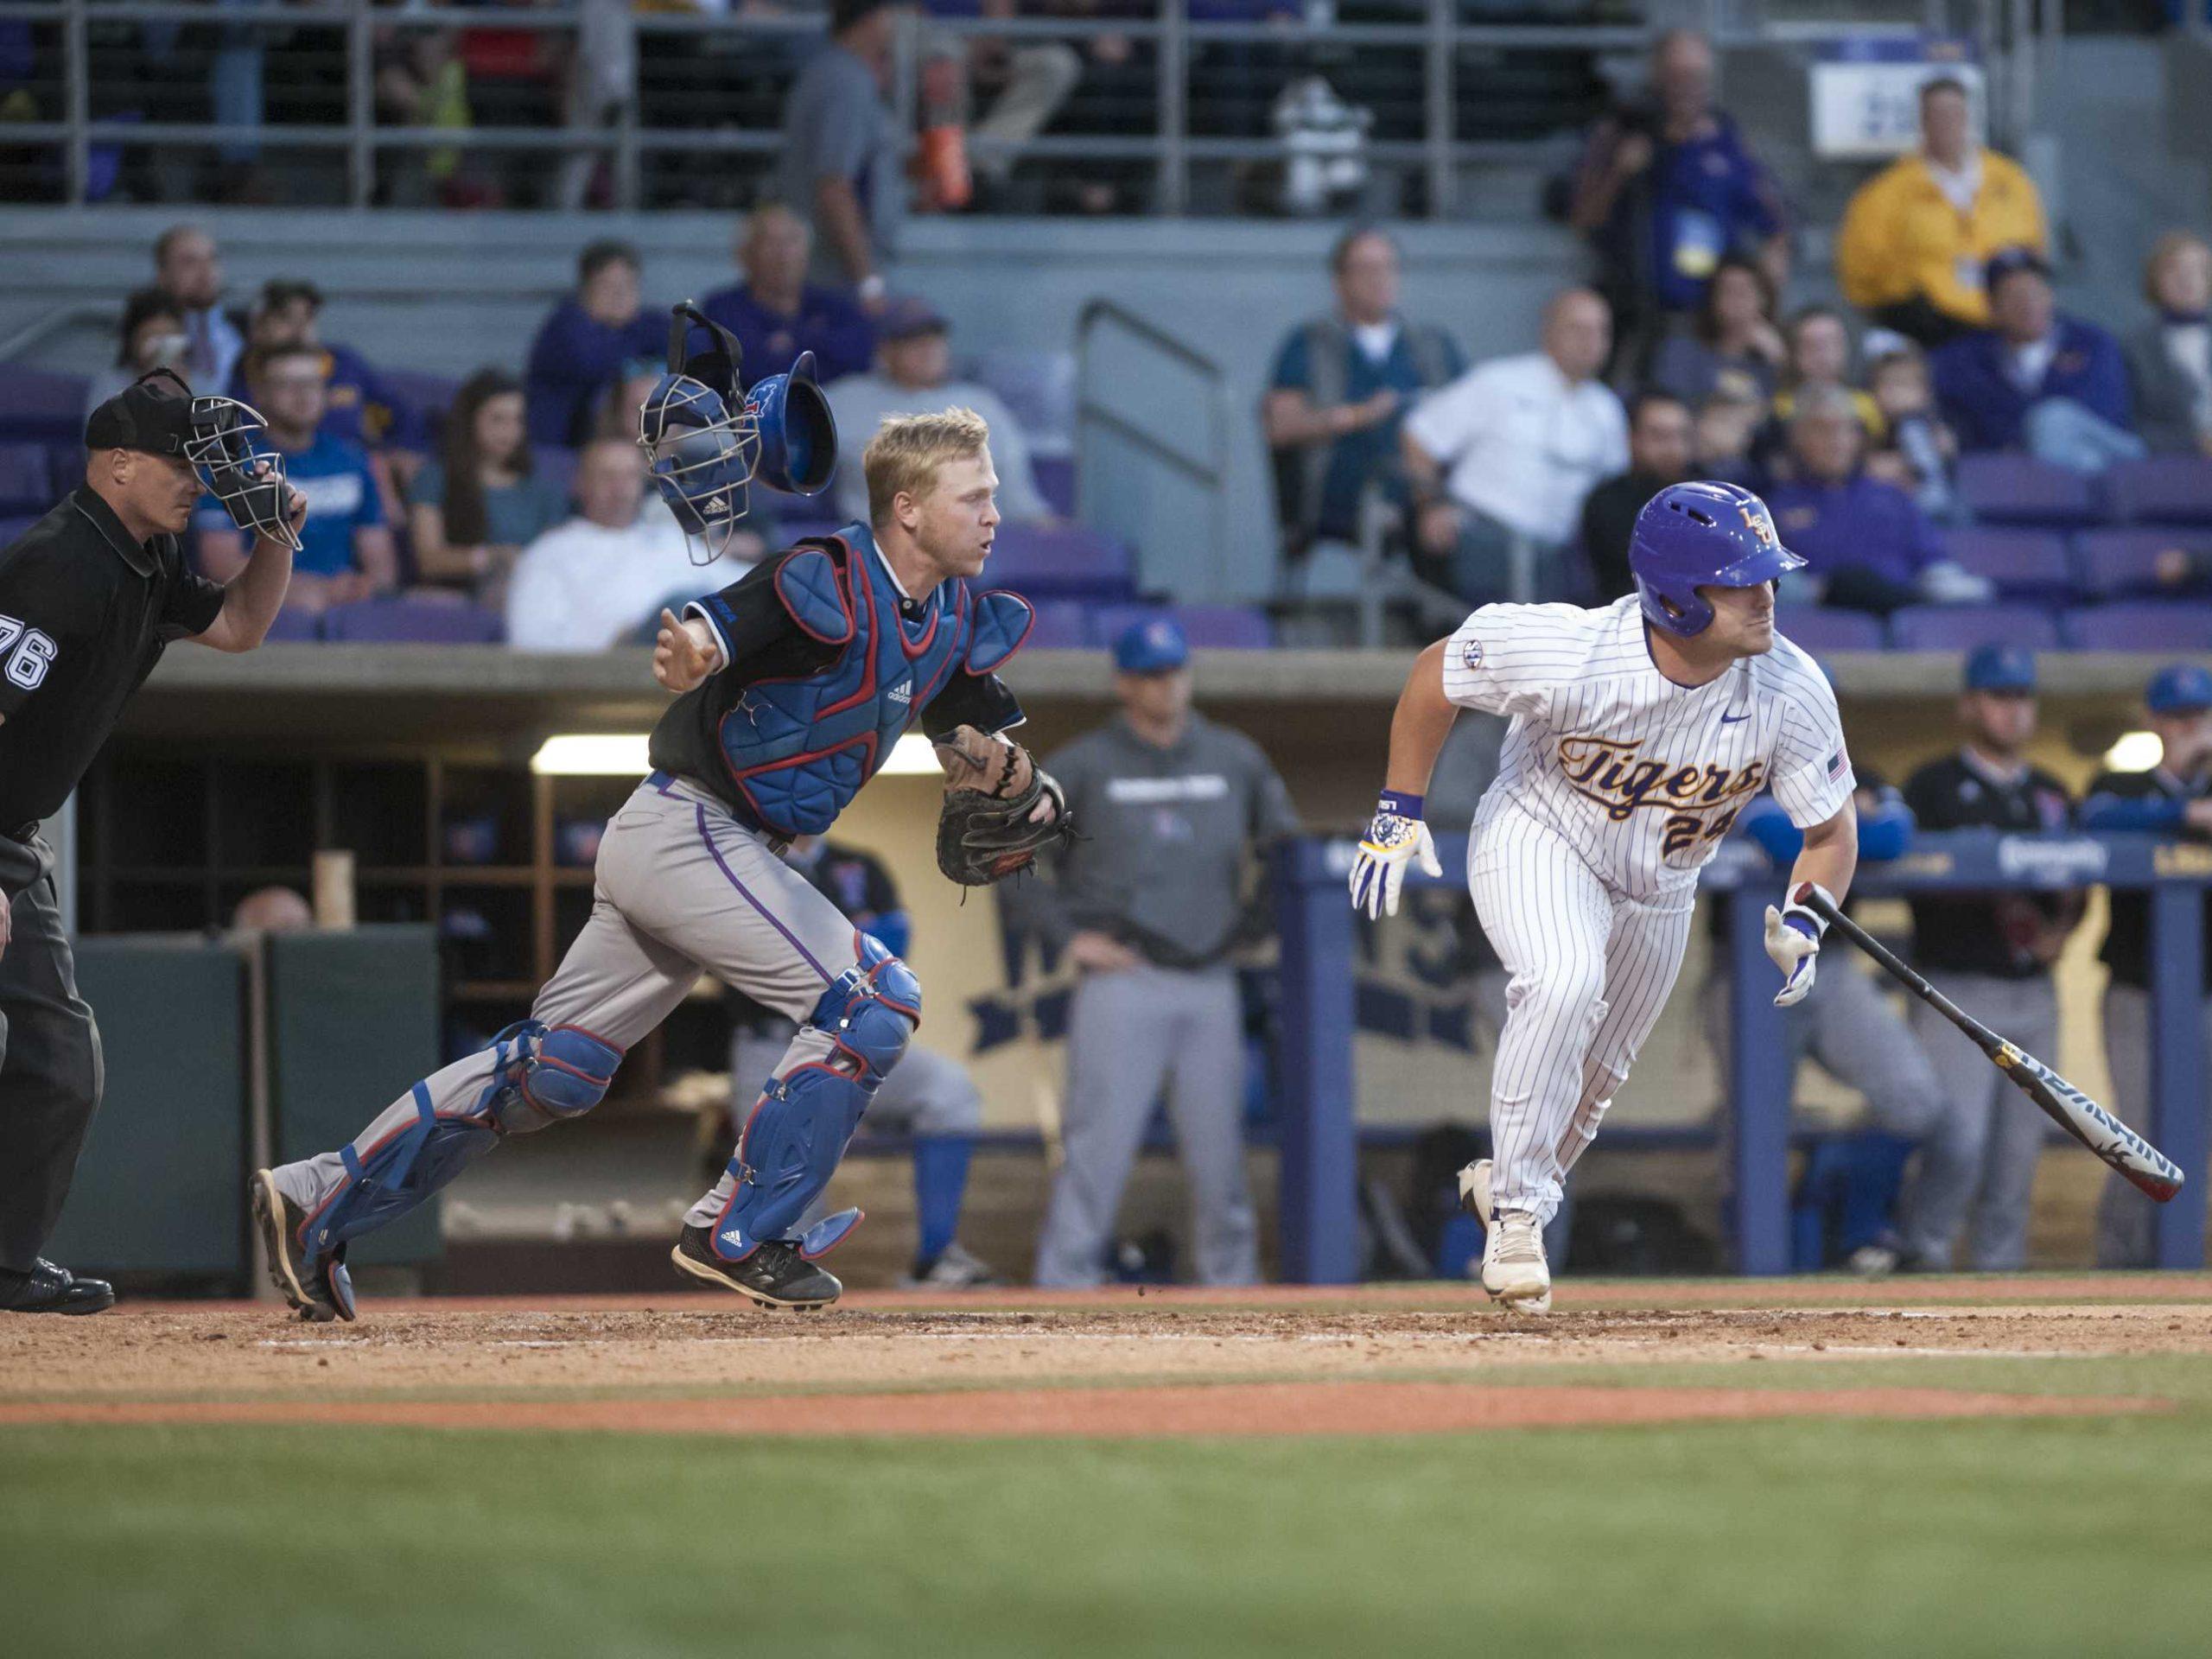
49 1058
1991 1134
682 886
2125 1235
1129 1033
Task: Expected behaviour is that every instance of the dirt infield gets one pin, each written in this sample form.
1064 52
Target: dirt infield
1406 1359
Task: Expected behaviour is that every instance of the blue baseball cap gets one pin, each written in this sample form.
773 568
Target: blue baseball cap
2181 688
1153 646
2001 668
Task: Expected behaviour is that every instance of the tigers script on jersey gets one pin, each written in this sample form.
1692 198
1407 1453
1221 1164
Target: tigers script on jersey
1641 776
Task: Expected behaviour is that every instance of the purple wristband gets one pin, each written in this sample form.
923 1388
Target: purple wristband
1398 804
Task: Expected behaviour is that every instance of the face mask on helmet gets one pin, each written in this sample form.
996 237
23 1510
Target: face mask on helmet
248 482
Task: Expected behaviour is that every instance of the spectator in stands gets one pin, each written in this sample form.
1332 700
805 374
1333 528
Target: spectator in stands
1867 546
1148 907
359 408
1922 447
187 265
581 345
1667 188
1340 389
1023 82
607 573
152 337
481 501
1726 425
346 551
1659 431
1501 460
1819 342
840 164
2169 358
1992 953
2173 799
1733 345
914 376
1916 235
776 312
2035 379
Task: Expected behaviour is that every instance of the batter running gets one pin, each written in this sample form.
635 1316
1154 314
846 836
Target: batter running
1639 730
796 680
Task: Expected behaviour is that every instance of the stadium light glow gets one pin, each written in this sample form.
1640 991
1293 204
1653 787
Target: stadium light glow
911 757
2134 751
620 754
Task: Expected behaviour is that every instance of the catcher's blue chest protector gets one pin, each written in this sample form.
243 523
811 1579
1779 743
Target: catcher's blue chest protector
798 750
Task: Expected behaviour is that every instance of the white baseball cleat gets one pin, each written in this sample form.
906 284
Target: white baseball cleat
1514 1268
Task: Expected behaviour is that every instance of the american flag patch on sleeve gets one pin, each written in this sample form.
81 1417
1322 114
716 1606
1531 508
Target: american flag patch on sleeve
1838 763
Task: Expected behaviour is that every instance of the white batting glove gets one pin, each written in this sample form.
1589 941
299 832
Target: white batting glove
1395 839
1793 942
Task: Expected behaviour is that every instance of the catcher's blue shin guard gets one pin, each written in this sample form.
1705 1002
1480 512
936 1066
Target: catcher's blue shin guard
798 1131
538 1076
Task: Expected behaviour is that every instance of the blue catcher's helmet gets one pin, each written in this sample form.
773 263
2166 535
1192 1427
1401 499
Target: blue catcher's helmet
705 442
1693 536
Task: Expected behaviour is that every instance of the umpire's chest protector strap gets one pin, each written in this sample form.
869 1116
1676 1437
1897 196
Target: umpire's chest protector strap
813 591
1002 621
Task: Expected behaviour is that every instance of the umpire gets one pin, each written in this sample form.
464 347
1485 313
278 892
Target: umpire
89 596
1147 906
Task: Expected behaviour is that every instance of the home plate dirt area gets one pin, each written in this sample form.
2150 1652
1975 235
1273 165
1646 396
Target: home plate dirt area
1396 1360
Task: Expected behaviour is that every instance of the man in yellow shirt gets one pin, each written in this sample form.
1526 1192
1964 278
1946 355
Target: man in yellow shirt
1916 235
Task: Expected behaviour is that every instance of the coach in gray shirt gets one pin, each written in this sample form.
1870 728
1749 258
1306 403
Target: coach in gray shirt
839 168
1147 906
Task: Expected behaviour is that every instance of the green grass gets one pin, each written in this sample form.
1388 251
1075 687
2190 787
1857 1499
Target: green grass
1997 1537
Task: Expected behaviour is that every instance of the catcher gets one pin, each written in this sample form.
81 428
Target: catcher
795 682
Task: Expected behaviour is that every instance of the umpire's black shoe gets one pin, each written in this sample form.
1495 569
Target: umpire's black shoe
321 1294
774 1276
54 1289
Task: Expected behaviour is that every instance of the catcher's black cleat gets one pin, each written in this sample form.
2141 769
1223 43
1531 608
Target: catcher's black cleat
52 1288
322 1292
774 1276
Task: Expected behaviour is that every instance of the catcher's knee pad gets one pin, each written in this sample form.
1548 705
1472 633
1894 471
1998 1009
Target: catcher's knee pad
870 1011
540 1075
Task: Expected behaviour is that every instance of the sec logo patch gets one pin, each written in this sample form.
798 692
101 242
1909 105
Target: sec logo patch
1470 654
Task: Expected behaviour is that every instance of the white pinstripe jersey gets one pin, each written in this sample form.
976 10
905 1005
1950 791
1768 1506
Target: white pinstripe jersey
1641 776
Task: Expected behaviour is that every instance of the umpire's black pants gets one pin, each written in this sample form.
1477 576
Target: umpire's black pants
49 1058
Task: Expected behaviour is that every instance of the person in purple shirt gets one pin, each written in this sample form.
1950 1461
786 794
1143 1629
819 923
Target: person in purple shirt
360 410
581 345
776 312
1867 544
2035 379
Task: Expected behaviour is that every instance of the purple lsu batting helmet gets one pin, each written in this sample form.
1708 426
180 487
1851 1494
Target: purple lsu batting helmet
1693 536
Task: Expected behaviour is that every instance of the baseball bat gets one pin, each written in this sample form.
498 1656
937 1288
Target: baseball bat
2097 1128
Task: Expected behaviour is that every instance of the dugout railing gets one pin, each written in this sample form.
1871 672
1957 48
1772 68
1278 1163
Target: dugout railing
1318 1133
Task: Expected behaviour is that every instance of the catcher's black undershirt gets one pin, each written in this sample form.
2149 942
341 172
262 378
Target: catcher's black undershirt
765 644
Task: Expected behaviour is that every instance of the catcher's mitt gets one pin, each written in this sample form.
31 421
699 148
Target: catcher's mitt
1001 808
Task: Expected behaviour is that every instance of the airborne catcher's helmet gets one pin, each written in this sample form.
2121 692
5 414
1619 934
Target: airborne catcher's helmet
706 440
1693 536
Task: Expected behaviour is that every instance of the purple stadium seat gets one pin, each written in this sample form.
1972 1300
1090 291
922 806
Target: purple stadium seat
1061 561
2024 563
414 621
1038 388
2164 490
1208 627
2113 564
1819 629
1055 477
296 625
26 484
797 526
12 527
428 396
1062 625
1961 628
2140 627
2020 490
46 408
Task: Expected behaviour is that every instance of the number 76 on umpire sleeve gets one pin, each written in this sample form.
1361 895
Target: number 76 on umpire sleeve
29 652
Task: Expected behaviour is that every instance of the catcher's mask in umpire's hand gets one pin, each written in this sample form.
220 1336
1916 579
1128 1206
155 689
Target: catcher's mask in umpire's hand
706 441
157 413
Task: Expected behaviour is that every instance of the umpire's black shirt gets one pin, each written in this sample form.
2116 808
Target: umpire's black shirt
1980 932
84 614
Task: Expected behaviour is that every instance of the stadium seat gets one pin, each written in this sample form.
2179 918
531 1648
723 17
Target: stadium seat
2164 490
1062 625
2116 563
26 484
426 395
12 527
1819 630
294 625
1039 388
2004 489
1055 477
415 621
1209 628
1961 628
1060 562
46 408
2024 563
2140 627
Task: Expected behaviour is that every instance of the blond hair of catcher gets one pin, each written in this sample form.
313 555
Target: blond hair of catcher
908 449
